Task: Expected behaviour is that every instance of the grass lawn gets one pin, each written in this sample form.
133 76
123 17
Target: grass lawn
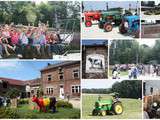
24 111
122 73
132 107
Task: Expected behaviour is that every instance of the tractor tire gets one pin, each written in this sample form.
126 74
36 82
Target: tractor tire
94 112
117 108
103 113
122 29
108 27
88 23
100 25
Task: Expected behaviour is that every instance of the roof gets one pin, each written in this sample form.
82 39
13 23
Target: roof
33 81
13 81
21 82
94 42
61 64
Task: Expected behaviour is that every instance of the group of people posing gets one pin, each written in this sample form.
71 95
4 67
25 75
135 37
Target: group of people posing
133 71
15 39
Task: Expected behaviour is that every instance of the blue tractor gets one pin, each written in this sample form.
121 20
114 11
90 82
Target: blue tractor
130 25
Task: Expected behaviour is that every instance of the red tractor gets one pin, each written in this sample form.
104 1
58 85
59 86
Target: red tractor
91 16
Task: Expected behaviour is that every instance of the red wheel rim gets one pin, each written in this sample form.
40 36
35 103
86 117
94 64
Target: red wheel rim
108 27
88 24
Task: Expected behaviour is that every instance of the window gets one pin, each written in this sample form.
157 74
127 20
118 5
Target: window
76 73
60 70
61 77
4 84
76 89
32 91
49 77
49 90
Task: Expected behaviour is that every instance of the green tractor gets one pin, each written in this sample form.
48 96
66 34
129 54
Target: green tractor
110 17
104 107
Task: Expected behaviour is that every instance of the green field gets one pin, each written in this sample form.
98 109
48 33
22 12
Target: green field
132 107
122 73
24 111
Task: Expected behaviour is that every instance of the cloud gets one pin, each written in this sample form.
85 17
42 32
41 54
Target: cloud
10 64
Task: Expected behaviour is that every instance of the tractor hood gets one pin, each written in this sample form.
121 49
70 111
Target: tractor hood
132 18
103 102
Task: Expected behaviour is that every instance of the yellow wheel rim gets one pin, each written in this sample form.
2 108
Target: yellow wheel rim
103 113
118 109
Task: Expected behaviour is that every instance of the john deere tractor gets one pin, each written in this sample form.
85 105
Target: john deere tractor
110 17
110 106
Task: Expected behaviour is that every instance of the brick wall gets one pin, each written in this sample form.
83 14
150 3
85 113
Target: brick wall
55 82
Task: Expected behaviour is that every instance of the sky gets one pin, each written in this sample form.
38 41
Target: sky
97 83
22 70
101 5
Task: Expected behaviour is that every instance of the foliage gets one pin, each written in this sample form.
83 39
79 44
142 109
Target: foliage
128 89
23 101
9 113
64 104
97 91
24 112
56 13
130 51
13 93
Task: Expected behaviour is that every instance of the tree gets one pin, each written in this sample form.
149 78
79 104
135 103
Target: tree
128 89
13 93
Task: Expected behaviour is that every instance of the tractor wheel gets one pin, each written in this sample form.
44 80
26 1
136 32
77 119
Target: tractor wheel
118 108
88 23
94 112
108 27
122 29
103 113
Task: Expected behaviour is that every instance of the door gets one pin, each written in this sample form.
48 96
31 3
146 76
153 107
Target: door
61 94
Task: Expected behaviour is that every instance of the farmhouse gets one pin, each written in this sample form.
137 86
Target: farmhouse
7 84
61 79
32 87
94 59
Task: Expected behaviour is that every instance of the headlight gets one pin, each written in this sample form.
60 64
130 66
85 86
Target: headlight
154 104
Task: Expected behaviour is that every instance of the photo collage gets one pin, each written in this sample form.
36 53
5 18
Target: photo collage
80 59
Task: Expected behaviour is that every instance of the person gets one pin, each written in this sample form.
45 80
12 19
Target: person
135 72
129 73
115 75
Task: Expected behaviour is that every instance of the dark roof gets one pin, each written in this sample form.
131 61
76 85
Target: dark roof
94 42
13 81
61 64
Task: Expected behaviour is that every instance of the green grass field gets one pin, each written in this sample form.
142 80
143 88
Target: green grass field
24 111
132 108
121 74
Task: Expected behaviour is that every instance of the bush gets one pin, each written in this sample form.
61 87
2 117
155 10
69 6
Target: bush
64 104
9 113
23 101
